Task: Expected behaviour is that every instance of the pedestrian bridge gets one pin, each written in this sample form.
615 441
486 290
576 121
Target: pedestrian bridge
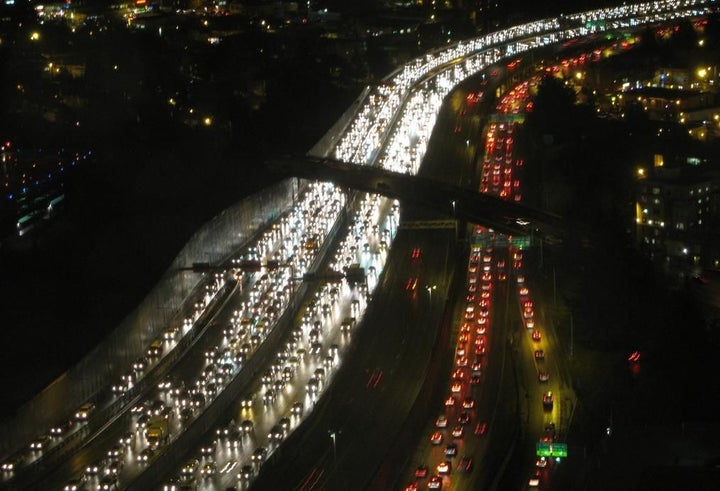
443 198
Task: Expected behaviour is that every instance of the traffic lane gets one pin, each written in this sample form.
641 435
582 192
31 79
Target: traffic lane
447 145
498 404
186 369
265 417
488 406
535 415
396 402
366 417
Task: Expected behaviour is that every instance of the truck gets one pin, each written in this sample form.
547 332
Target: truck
155 349
156 431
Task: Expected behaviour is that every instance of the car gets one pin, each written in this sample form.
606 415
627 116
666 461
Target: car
259 455
413 486
116 451
62 428
443 468
140 364
465 465
190 467
75 484
208 469
541 463
480 428
550 430
172 484
529 323
468 403
475 380
536 335
126 439
11 464
524 291
93 469
436 438
246 473
108 482
539 354
297 409
276 434
457 431
451 450
463 418
441 421
534 482
547 398
456 387
146 455
422 471
40 443
435 482
543 376
450 401
84 411
114 468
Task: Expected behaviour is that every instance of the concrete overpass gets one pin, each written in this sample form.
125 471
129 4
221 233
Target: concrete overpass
444 198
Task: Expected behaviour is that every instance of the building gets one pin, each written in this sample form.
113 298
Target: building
678 213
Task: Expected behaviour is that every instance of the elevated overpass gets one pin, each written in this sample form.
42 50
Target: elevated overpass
444 198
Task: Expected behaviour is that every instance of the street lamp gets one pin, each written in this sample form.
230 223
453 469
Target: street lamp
430 290
333 436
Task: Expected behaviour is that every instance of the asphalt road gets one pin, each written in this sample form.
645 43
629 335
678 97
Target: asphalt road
373 391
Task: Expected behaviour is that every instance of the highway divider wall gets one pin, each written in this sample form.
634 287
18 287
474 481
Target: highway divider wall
163 307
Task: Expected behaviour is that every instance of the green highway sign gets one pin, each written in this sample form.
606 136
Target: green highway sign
551 449
519 241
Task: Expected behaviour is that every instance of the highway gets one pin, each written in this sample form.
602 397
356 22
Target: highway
386 361
120 451
371 395
314 351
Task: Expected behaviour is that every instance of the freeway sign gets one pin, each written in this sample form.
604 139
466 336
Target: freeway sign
551 449
518 241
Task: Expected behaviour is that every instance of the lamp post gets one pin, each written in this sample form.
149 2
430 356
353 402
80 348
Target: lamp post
333 436
430 290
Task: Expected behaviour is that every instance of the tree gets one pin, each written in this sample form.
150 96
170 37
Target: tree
553 106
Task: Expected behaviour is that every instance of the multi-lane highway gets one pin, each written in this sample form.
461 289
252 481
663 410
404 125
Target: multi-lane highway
367 399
